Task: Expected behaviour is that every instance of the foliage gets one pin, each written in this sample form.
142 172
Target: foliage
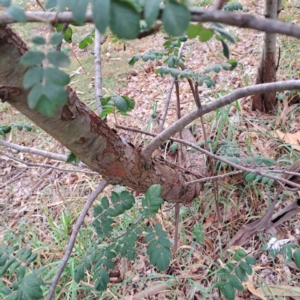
46 83
99 259
230 151
233 6
4 129
15 265
290 252
120 104
234 273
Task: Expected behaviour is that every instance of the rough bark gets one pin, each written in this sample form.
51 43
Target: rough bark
267 69
87 136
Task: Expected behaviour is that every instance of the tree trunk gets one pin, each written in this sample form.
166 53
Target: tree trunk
267 69
87 136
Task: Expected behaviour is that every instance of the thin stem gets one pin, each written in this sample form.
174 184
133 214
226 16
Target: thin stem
98 70
73 237
219 158
167 101
212 106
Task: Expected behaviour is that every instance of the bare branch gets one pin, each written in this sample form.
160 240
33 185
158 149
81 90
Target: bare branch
51 155
225 100
167 101
197 15
29 164
98 70
75 231
215 177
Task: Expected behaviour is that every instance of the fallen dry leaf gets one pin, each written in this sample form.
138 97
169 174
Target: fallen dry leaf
291 138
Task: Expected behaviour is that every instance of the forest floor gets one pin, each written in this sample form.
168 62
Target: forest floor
39 205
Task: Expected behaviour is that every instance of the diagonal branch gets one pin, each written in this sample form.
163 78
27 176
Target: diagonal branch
73 237
225 100
197 15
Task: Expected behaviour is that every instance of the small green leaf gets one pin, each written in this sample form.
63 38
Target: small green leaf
120 103
206 34
32 58
58 59
79 10
124 20
241 252
55 93
244 265
228 291
220 284
3 259
21 273
174 147
217 68
68 35
79 273
199 233
88 40
17 13
33 76
72 158
31 258
226 51
108 263
250 260
176 18
233 64
151 11
5 3
45 106
101 14
30 288
194 30
287 253
241 274
51 4
297 257
105 203
56 38
249 177
35 95
234 281
155 190
5 129
57 76
38 40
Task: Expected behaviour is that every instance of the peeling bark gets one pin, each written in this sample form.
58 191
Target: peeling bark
87 136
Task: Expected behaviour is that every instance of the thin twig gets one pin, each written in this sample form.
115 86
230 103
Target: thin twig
244 169
197 15
47 154
40 5
212 106
29 164
14 178
215 177
98 70
167 101
180 160
73 237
